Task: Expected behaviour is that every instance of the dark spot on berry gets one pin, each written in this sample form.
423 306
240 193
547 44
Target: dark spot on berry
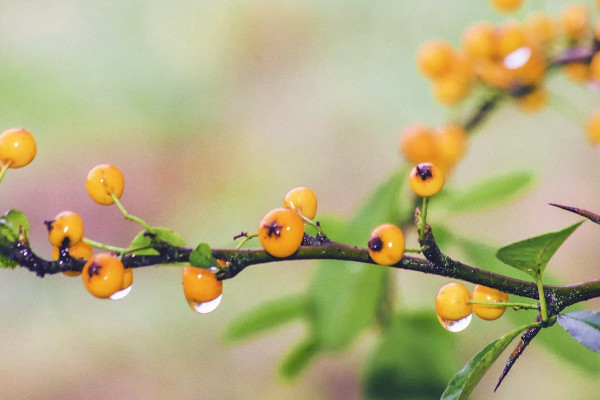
375 244
48 224
424 171
274 229
94 270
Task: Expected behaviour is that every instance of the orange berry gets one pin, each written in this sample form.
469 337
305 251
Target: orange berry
302 199
200 285
426 179
386 244
574 20
506 6
534 100
526 65
103 180
81 250
484 293
541 28
450 88
595 67
577 72
434 58
452 144
103 275
17 147
495 74
510 36
65 229
281 232
478 41
418 143
452 302
592 128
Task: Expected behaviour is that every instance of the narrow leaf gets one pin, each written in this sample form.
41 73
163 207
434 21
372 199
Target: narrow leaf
532 255
492 192
12 224
467 378
583 326
266 316
143 242
202 256
298 359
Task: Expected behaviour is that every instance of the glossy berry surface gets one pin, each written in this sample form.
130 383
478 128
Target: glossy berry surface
65 229
280 232
81 250
484 293
452 302
103 275
17 147
426 179
103 180
200 285
386 244
302 199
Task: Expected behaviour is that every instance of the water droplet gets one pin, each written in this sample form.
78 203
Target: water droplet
456 326
121 294
517 58
207 306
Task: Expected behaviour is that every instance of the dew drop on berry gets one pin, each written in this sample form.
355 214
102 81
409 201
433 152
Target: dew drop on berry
207 306
121 294
455 326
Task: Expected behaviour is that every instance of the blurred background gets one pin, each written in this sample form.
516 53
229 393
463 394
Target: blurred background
214 110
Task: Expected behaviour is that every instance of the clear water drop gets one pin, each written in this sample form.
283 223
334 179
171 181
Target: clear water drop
121 294
455 326
517 58
207 306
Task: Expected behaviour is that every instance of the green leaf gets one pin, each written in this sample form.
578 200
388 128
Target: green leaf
7 263
202 256
584 326
532 255
298 359
143 242
467 378
12 224
492 192
393 372
266 316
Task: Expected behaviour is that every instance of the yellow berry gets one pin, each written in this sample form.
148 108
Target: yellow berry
541 28
434 58
526 65
103 180
200 285
452 144
495 74
17 147
506 6
534 100
577 72
484 293
386 244
66 229
452 302
418 144
510 36
450 88
426 179
281 232
103 275
592 128
574 20
478 41
302 199
81 250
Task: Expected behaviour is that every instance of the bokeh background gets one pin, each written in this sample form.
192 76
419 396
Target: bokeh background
214 110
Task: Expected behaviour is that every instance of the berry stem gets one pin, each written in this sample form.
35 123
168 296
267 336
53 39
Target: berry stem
4 169
507 304
424 218
107 247
542 298
129 216
245 239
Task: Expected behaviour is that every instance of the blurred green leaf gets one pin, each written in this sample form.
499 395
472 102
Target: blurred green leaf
584 326
298 359
144 241
414 359
7 263
532 255
12 224
492 192
202 256
467 378
266 316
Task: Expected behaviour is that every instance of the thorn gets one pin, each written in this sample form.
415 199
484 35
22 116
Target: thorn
584 213
526 338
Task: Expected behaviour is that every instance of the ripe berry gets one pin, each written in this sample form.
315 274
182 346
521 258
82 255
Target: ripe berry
426 179
386 244
17 147
200 285
450 88
125 286
103 275
81 250
281 232
577 72
484 293
592 128
452 302
103 180
65 229
418 144
541 28
526 65
510 36
434 58
574 20
302 199
452 145
478 41
506 6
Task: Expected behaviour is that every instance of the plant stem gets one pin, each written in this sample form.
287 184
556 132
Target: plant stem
508 304
424 217
543 306
4 169
107 247
129 216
